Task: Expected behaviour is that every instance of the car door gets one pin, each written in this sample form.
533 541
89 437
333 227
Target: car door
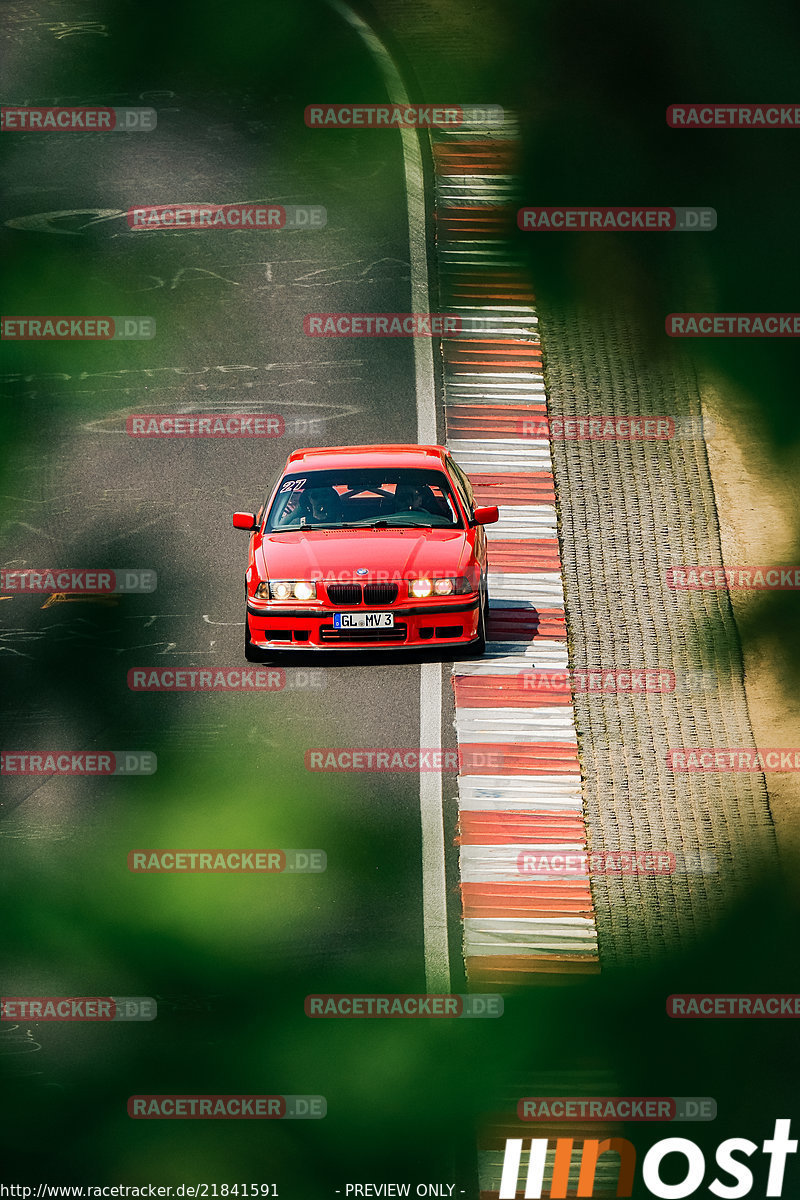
475 533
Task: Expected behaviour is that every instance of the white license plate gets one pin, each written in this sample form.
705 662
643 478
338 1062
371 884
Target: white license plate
363 620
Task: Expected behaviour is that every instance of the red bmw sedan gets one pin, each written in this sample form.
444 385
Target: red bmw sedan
366 547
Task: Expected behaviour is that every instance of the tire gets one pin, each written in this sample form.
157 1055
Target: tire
250 652
478 647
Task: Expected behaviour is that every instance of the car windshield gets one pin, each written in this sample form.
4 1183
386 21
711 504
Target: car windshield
364 498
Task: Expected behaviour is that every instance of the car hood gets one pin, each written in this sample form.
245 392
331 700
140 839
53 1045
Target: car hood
337 554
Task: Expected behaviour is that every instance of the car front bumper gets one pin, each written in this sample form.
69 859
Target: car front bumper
283 627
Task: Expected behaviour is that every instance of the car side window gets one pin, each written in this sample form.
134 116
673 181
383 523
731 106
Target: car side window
262 512
464 488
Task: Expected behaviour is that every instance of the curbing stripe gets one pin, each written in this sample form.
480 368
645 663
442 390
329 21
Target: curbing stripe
527 795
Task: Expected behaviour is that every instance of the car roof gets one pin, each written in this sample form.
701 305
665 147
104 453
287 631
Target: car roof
325 458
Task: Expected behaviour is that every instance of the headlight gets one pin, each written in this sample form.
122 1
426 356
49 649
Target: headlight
289 589
419 589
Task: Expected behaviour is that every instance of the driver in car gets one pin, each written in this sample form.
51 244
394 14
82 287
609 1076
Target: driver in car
418 497
318 505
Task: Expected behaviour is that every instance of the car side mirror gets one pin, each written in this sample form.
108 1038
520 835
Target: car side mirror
244 520
486 515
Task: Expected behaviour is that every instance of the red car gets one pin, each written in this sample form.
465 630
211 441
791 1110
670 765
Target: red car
366 547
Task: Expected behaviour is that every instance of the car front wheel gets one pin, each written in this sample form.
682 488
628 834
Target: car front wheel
479 645
251 653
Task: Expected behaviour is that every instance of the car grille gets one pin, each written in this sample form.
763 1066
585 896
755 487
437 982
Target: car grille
351 593
344 593
398 633
380 593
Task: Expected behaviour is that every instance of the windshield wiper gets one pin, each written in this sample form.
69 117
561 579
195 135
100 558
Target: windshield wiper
382 524
325 525
352 525
397 525
308 528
